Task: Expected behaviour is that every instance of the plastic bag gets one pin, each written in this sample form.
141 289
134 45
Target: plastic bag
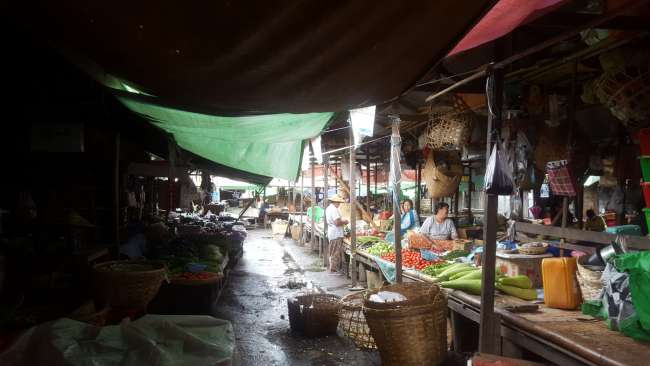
638 267
498 178
617 306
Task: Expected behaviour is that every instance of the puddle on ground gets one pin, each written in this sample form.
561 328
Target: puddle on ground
295 282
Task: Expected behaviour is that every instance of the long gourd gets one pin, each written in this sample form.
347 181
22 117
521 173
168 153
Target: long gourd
462 274
473 275
453 270
522 293
470 286
521 281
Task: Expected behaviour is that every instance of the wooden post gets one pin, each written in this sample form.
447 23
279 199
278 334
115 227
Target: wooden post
368 180
116 190
488 327
302 205
469 196
312 160
418 190
395 145
336 175
326 167
376 164
353 213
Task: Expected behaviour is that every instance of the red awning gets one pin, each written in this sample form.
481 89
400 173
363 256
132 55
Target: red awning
503 18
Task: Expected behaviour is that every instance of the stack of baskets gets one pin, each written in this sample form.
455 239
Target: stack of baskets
591 285
412 330
352 322
314 315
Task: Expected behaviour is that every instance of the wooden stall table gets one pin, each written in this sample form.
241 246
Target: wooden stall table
566 338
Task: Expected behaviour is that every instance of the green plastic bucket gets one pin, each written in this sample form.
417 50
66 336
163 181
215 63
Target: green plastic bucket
645 167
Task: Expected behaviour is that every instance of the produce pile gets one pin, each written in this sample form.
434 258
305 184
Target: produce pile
467 278
410 259
442 246
455 254
367 242
381 248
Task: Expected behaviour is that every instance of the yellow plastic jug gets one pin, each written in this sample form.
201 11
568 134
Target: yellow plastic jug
561 288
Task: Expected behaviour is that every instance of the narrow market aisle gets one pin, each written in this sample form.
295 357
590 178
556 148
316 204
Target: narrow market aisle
255 301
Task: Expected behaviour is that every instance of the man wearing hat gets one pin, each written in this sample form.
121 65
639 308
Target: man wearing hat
335 226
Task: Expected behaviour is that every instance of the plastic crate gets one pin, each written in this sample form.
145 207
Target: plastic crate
645 167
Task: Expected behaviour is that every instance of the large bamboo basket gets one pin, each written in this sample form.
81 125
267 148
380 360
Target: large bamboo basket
441 183
412 332
128 289
352 322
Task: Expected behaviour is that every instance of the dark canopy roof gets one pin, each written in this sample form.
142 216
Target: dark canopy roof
243 57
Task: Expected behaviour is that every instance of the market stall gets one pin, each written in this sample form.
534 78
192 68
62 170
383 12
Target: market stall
564 337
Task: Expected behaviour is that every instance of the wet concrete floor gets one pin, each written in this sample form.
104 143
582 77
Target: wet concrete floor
255 301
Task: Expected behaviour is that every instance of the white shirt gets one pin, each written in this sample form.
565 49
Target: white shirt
437 231
331 215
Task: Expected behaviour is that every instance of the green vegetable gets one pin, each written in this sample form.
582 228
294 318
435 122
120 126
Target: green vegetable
473 275
435 269
456 268
381 248
460 274
522 293
455 254
470 286
521 281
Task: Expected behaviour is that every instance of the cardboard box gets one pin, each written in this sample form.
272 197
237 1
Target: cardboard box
521 264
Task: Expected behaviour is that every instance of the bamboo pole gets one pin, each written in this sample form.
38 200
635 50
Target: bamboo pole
353 214
368 179
397 227
313 199
302 205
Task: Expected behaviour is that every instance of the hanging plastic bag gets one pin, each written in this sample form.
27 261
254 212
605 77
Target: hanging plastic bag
498 177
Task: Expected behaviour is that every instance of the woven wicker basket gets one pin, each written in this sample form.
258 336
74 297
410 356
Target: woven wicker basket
533 250
590 281
413 333
352 322
132 289
449 126
440 184
314 315
626 92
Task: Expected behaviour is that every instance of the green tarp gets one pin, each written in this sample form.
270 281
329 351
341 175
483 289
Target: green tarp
269 145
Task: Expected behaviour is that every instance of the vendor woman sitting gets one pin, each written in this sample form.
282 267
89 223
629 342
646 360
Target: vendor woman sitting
410 219
438 226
